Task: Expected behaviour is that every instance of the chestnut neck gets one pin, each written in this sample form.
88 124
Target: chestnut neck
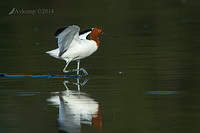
95 38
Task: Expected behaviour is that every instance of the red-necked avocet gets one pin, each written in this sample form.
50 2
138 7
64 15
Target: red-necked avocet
74 46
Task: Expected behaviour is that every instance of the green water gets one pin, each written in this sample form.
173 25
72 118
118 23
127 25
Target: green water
145 81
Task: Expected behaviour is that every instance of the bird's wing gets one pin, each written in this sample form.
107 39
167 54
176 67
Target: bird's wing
65 37
84 34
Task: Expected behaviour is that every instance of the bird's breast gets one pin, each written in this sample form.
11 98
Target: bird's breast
81 50
88 47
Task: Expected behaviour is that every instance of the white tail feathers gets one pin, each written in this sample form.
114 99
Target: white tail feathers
54 53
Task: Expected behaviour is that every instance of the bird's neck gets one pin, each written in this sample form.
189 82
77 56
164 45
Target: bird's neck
95 38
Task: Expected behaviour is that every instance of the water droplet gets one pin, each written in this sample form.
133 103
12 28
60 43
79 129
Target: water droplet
120 72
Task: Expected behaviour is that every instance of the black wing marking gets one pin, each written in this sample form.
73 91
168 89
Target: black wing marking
85 31
85 34
58 31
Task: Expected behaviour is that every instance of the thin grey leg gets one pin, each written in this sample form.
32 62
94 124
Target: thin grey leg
78 70
78 66
73 70
64 70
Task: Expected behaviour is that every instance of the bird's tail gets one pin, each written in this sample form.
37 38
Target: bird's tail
54 53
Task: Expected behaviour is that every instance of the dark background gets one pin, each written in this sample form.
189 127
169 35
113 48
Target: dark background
145 81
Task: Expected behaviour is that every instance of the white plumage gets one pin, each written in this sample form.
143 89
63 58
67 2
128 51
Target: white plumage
74 47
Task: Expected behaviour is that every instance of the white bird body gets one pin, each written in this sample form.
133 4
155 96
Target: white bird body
77 51
74 47
80 50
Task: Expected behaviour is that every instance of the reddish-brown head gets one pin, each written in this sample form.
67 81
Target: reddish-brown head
95 33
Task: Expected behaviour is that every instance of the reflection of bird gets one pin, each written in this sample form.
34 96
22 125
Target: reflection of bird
76 108
74 46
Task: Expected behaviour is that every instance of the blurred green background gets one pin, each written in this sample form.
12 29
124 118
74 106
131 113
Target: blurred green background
145 81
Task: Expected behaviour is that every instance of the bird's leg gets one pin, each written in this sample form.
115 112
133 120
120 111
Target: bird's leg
73 70
78 67
82 69
64 70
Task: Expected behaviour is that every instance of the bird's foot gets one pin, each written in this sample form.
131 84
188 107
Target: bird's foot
84 71
77 70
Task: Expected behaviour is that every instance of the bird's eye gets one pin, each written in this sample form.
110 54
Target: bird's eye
99 31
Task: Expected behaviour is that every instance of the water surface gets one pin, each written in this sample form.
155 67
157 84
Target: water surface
145 81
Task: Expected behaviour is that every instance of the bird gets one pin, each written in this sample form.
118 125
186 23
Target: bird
73 45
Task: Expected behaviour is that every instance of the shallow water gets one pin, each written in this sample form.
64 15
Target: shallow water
145 81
